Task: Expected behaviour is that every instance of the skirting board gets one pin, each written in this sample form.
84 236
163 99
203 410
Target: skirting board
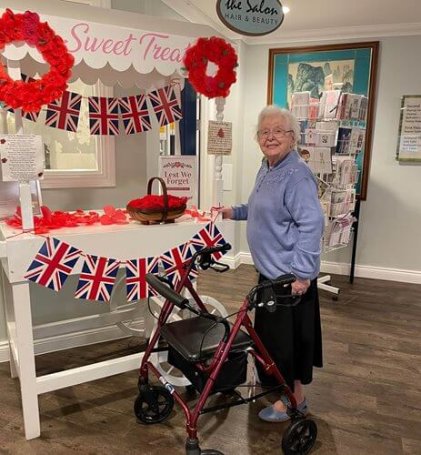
339 268
373 272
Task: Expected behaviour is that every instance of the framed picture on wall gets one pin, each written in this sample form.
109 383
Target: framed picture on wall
349 68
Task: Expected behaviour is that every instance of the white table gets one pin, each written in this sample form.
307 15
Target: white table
17 251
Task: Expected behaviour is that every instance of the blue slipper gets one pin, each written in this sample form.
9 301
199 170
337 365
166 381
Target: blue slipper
270 414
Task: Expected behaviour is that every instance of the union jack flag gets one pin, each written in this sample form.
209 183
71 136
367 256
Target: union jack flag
53 264
136 269
135 114
63 113
33 116
174 260
207 237
165 105
103 115
97 279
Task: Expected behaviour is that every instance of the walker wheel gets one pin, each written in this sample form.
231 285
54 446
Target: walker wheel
153 405
299 438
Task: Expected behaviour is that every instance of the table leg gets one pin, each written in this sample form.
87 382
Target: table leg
24 345
14 372
10 323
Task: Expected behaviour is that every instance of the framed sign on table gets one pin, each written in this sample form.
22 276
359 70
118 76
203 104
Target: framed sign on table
409 138
349 67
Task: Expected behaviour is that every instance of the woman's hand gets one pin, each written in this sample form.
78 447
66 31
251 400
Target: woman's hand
299 286
227 212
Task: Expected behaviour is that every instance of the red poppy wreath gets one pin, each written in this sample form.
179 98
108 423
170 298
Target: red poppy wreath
196 61
30 96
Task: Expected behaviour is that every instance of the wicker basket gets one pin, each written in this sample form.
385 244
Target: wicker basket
156 216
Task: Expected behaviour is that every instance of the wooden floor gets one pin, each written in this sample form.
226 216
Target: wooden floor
366 400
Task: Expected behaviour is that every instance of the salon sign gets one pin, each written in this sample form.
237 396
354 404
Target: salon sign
251 17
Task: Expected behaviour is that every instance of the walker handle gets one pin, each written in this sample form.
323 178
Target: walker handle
166 292
282 280
215 249
205 255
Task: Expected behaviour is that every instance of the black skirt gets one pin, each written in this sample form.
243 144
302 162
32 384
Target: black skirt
292 336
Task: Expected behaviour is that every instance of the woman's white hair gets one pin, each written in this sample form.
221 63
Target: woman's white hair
272 111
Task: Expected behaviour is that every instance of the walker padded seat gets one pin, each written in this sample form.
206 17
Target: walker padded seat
198 338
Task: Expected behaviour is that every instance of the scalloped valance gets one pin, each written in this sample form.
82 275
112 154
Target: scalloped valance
110 45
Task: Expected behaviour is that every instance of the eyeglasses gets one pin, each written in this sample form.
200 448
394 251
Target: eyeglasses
277 132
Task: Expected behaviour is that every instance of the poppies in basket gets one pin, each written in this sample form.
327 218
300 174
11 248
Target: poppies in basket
156 208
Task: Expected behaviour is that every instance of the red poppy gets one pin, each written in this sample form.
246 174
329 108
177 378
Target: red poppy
30 96
196 61
152 202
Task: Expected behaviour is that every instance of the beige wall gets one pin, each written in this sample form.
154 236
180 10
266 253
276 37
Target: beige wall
391 217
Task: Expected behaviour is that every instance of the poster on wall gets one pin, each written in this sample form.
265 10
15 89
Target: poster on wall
409 138
22 157
219 138
179 174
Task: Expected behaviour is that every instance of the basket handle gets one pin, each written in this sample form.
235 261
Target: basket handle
164 193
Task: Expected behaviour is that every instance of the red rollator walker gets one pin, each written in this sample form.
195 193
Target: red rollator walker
212 353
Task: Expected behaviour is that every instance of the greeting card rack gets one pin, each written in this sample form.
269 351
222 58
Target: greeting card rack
331 143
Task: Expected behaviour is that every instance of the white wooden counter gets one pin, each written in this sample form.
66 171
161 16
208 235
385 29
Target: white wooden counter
18 250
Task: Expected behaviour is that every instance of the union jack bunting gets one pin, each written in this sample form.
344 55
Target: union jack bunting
165 105
97 279
135 114
173 261
209 236
103 115
63 113
53 264
136 285
32 116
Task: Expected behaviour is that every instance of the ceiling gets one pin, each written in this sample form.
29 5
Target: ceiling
319 19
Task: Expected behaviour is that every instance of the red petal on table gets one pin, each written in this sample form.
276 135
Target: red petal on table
41 230
14 222
46 213
105 219
109 210
119 215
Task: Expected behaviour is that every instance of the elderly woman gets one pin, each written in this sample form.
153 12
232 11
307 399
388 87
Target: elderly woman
284 230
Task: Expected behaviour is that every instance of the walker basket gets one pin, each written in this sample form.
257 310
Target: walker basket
232 374
153 216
